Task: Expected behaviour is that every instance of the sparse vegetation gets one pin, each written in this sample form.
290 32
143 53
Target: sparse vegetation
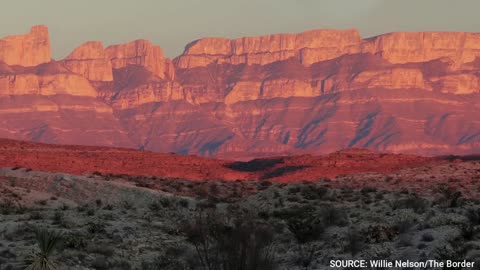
227 241
235 225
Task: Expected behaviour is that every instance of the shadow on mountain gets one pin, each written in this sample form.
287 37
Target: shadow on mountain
283 170
254 165
462 158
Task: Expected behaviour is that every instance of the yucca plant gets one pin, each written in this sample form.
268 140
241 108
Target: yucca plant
47 242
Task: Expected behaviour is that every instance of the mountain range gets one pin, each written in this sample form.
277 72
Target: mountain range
314 92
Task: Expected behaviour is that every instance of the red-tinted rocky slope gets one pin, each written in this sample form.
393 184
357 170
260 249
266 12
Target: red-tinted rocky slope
313 92
90 159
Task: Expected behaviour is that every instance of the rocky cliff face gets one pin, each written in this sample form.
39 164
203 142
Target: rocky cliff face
26 50
313 92
141 53
402 48
309 47
90 60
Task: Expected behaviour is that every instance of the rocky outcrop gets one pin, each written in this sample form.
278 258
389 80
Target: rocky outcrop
425 46
395 78
44 80
141 53
26 50
320 45
148 93
458 84
90 61
45 85
310 47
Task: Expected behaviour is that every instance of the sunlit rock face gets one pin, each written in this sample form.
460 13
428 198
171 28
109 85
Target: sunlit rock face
313 92
141 53
90 60
46 80
310 47
26 50
425 46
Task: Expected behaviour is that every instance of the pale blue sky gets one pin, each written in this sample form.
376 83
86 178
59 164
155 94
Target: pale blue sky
172 24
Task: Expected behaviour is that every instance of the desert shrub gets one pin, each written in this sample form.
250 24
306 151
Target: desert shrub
47 241
454 251
95 227
102 249
64 207
8 207
405 240
82 208
421 246
183 203
173 259
74 241
294 212
233 241
333 216
379 233
206 204
90 212
98 202
473 215
468 231
306 229
427 237
100 264
449 196
417 204
36 215
58 218
366 190
294 189
161 203
127 205
165 202
312 192
353 241
443 219
154 206
404 220
120 264
41 202
293 199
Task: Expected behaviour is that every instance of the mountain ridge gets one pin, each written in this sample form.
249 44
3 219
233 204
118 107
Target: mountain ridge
313 92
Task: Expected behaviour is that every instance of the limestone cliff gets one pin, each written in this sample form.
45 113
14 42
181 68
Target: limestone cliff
310 47
407 47
313 92
90 61
141 53
26 50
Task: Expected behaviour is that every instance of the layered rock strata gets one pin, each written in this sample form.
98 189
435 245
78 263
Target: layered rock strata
313 92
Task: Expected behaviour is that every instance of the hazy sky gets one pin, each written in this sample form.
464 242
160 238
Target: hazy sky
172 24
